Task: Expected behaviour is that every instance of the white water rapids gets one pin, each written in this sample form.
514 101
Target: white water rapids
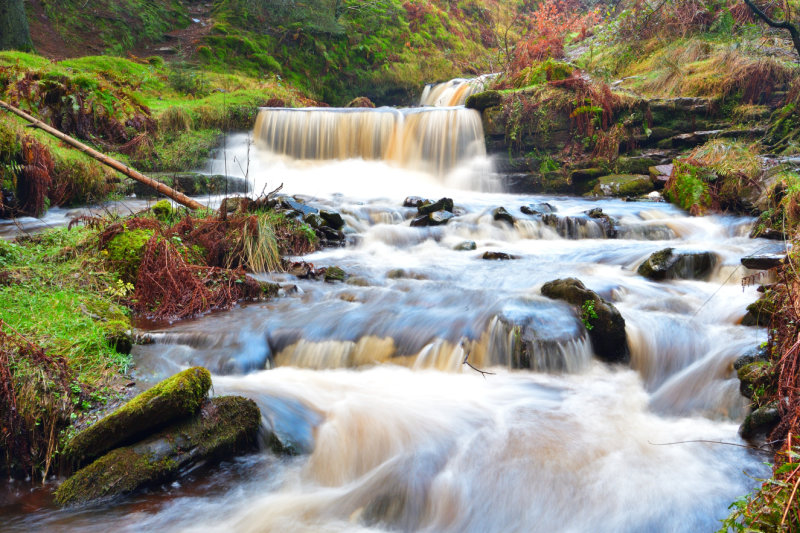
365 378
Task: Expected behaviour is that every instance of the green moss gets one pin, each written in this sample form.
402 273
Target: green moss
174 398
125 252
688 188
623 185
225 426
162 210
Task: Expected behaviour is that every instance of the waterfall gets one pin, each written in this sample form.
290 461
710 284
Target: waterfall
433 140
454 92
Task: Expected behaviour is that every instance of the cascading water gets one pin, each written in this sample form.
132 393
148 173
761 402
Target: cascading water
433 140
454 92
366 379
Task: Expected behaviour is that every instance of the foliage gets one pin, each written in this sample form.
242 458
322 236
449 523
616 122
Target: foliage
588 314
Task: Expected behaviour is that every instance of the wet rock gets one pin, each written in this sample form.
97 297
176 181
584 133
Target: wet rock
753 355
604 323
361 101
638 165
760 422
768 233
668 264
497 256
443 204
763 262
759 313
224 426
436 218
501 214
537 209
290 204
415 201
752 377
484 100
334 273
172 399
314 220
606 221
623 185
332 219
465 246
330 236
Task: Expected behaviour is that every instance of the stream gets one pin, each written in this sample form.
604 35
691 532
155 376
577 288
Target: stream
366 379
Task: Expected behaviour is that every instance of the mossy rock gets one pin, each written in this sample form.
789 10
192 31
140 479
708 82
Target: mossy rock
760 422
668 264
162 210
125 252
623 185
635 165
334 273
606 326
174 398
361 101
224 426
585 179
754 378
484 100
759 313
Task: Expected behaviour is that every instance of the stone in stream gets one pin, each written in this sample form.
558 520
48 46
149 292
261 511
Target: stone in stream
415 201
604 323
291 204
332 219
760 422
436 218
443 204
763 262
334 273
314 220
668 264
498 256
465 246
172 399
759 313
500 213
537 209
752 376
224 426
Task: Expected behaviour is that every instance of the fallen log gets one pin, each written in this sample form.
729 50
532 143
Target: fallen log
108 161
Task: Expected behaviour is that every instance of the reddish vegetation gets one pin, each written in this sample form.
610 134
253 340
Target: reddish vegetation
25 439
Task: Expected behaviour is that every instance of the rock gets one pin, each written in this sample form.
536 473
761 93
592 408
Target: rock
484 100
667 264
224 426
332 219
437 218
763 262
443 204
331 236
537 209
635 164
334 273
768 233
759 313
500 213
361 101
497 256
751 356
314 220
752 376
415 201
660 170
172 399
760 422
623 185
585 179
466 246
606 330
162 210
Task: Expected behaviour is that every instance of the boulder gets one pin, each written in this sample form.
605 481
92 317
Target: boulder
443 204
537 209
314 220
752 376
415 201
174 398
760 422
465 246
668 264
224 426
497 256
623 185
751 356
604 323
484 100
763 262
332 219
759 313
361 101
334 273
436 218
500 213
290 204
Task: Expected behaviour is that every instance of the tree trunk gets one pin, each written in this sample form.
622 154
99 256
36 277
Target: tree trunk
793 30
14 32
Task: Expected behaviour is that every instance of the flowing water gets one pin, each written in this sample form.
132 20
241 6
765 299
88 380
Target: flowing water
366 379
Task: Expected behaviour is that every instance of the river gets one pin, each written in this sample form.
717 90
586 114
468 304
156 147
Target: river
365 379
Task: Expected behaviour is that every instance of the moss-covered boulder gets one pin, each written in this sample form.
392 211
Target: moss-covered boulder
174 398
224 426
334 273
484 100
604 323
361 101
623 185
760 422
759 313
669 264
124 252
754 379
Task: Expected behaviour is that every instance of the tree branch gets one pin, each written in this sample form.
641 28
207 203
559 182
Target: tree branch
782 24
